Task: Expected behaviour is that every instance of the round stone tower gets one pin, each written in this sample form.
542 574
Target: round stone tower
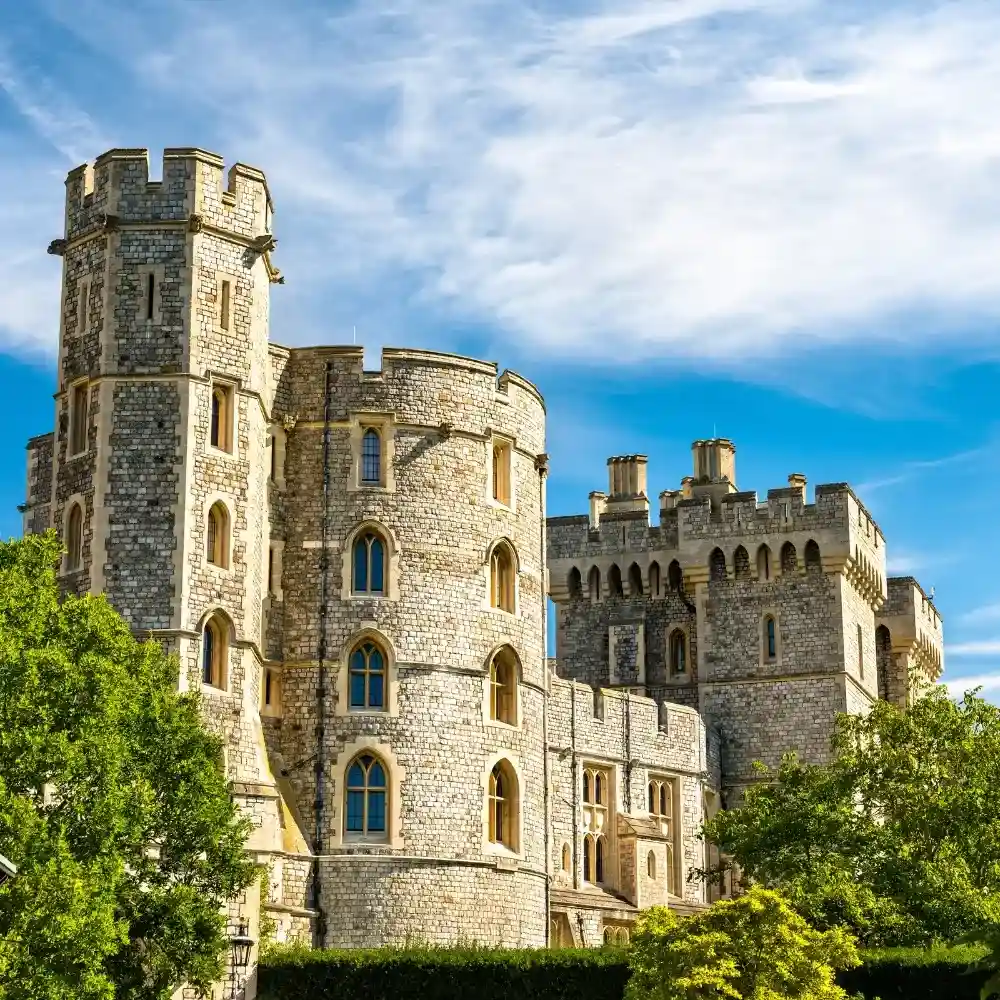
406 637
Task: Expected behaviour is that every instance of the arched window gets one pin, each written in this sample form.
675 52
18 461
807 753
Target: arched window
503 806
883 659
366 792
861 653
741 563
789 558
588 786
660 798
717 565
214 653
503 687
502 577
575 584
763 563
609 935
770 638
678 652
501 472
74 538
615 581
217 535
651 865
567 859
369 564
594 850
813 559
371 457
594 584
654 579
675 576
367 677
634 581
221 422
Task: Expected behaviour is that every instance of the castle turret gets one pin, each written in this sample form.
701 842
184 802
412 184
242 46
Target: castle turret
714 469
627 484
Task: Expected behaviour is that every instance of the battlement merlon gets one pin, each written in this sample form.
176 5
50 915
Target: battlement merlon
692 528
115 191
915 625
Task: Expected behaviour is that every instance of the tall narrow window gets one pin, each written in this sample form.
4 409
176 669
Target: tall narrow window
861 653
594 851
367 678
501 473
763 563
371 457
654 579
503 806
770 639
567 860
502 577
224 305
150 292
222 418
272 690
678 652
660 791
270 571
274 458
651 865
74 538
79 405
213 654
366 791
369 564
217 536
503 687
84 294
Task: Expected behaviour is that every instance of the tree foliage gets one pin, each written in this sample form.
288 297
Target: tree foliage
755 947
898 838
113 804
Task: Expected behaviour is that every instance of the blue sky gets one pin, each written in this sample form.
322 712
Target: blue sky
777 220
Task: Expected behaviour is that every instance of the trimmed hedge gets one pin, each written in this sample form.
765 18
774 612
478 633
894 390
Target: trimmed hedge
564 974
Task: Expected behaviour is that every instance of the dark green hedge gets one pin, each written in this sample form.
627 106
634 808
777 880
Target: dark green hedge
562 974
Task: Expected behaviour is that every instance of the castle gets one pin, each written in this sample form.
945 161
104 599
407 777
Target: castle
352 568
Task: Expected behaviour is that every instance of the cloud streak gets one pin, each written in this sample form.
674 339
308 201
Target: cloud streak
716 180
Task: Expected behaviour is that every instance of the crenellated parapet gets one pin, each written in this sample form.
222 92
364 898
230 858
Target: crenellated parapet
910 640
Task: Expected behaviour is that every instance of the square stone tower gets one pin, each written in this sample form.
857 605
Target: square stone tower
156 473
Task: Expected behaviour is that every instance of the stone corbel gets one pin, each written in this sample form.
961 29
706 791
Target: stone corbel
445 430
288 421
196 223
265 243
57 247
542 464
109 223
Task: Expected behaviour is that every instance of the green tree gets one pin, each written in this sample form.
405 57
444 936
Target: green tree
113 803
752 948
897 838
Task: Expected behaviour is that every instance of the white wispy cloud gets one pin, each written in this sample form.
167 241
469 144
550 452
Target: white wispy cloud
981 614
981 648
959 685
909 471
725 180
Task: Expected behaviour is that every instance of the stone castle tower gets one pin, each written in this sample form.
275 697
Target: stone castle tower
352 567
768 618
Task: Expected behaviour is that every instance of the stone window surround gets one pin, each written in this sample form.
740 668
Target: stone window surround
488 579
368 631
229 637
605 828
489 847
390 569
518 675
159 273
217 327
508 443
82 303
764 572
676 840
229 505
384 423
672 676
278 439
272 711
766 613
231 389
75 500
71 418
394 807
273 586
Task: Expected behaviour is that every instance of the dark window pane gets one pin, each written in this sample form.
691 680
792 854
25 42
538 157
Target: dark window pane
375 692
360 566
376 812
377 550
355 812
357 690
